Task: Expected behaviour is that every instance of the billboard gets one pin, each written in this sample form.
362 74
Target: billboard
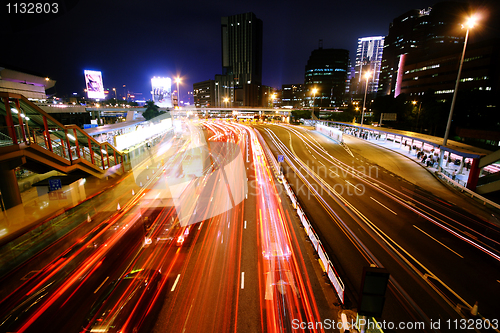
93 82
161 92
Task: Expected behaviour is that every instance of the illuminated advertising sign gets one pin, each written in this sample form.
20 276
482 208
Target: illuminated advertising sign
93 82
161 92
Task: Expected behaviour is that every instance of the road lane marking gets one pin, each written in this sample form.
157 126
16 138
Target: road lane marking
175 283
242 280
106 279
438 241
381 204
245 226
348 182
200 225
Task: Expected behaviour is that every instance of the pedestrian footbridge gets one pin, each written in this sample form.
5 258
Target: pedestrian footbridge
31 138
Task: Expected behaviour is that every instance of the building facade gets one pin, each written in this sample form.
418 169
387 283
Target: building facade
326 71
241 78
438 75
422 33
204 94
31 86
292 95
368 59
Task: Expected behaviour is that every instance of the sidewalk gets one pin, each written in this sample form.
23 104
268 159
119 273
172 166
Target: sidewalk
447 169
406 165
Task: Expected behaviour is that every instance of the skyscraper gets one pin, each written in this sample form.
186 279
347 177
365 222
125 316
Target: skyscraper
425 33
326 70
241 77
368 58
242 47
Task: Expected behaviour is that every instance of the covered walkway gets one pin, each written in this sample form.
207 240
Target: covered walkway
471 167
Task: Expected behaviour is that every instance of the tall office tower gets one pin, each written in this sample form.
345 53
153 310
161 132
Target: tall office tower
241 60
368 59
424 33
326 70
242 47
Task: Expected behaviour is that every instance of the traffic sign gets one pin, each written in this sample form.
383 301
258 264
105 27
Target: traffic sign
54 184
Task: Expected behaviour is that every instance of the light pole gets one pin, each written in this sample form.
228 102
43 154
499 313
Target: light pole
226 100
367 76
418 113
116 99
314 91
178 80
273 97
471 21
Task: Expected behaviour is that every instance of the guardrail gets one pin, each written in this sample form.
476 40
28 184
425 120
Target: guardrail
326 263
472 194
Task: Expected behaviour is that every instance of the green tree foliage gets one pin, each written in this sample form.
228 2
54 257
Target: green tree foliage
151 110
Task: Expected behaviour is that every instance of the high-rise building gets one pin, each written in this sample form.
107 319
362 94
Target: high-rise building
426 33
203 93
241 77
368 59
242 47
326 71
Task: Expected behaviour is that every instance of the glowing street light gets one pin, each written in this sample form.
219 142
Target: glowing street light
178 80
114 89
314 91
273 97
226 100
367 76
471 21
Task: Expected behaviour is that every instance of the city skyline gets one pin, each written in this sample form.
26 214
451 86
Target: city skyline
135 44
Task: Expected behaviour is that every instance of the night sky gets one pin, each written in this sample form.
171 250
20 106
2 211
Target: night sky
131 41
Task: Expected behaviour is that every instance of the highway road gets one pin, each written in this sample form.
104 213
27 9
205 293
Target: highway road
201 239
246 271
440 255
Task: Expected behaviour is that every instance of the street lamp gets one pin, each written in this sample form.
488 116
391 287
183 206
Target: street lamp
178 80
116 99
314 91
367 76
418 114
273 97
226 100
471 21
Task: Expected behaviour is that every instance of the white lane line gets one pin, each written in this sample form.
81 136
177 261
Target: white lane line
106 279
381 204
242 280
321 162
348 182
200 225
438 241
245 226
175 283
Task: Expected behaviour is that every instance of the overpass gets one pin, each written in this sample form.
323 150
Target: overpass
31 138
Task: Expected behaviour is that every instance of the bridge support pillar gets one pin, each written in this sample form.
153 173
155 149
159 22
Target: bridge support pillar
8 186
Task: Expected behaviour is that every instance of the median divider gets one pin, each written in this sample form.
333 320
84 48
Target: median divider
330 271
